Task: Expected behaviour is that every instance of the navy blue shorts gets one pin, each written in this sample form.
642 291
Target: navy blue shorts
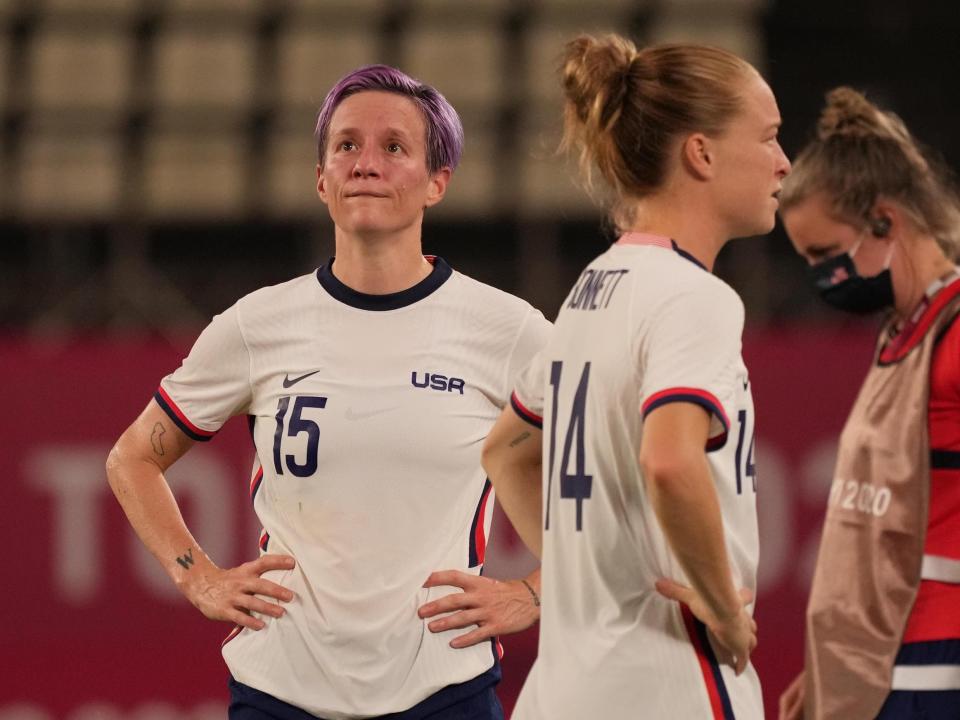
472 700
921 705
924 704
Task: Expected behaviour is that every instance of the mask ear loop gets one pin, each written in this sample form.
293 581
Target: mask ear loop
893 246
880 227
856 246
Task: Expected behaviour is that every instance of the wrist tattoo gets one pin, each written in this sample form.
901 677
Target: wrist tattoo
533 593
519 438
186 560
156 438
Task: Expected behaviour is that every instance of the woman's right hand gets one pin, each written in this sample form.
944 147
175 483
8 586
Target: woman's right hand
736 635
231 595
791 701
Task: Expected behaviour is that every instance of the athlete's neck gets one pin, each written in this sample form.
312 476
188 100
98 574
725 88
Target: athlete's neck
379 266
912 276
695 232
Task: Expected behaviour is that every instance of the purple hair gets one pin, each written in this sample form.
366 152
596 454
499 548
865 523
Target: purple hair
444 130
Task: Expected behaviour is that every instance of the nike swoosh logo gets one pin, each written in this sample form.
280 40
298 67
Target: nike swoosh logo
289 382
351 415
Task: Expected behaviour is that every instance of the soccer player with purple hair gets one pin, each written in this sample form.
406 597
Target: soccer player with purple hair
370 385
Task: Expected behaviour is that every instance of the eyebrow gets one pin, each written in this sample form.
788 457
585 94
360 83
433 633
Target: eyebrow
390 132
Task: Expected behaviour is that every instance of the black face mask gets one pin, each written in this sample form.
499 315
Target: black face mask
838 283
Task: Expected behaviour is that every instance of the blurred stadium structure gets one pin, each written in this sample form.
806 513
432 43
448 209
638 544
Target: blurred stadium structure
157 155
157 162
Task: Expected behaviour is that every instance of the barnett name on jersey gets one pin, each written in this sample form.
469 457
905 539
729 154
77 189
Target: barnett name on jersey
645 325
368 414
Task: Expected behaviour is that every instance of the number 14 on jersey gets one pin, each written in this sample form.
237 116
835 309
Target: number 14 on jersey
575 483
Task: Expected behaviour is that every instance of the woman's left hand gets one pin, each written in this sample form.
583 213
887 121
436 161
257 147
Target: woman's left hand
497 607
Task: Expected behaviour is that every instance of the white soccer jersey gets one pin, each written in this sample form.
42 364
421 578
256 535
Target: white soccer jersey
644 325
368 417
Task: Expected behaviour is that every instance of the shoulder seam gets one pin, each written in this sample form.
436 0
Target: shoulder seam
505 381
246 346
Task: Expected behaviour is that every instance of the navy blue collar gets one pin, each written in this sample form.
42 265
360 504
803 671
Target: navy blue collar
683 253
391 301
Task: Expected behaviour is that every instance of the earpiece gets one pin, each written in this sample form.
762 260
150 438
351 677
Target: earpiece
880 227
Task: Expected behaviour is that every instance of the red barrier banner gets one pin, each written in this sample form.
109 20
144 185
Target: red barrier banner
93 629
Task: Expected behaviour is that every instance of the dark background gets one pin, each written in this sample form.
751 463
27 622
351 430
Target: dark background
133 264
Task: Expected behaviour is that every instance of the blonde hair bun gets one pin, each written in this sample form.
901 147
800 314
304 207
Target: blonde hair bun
848 113
595 77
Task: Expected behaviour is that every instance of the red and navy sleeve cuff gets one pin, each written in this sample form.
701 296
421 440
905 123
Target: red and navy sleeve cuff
525 414
696 396
179 419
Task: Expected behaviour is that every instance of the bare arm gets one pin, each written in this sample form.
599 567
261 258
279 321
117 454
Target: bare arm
512 457
682 492
135 471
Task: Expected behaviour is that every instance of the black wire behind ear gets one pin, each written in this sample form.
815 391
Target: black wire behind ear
880 227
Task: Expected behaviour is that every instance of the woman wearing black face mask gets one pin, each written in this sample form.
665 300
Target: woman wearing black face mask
879 225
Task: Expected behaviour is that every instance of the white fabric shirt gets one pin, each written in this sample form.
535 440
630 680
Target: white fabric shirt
644 325
369 417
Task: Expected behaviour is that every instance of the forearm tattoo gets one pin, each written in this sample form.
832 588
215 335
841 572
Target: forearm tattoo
186 560
519 438
156 438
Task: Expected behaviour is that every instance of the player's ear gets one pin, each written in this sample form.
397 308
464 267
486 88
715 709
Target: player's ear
886 218
438 186
696 154
321 186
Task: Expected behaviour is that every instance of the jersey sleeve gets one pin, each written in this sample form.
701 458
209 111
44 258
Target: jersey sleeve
213 382
525 373
691 353
527 397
